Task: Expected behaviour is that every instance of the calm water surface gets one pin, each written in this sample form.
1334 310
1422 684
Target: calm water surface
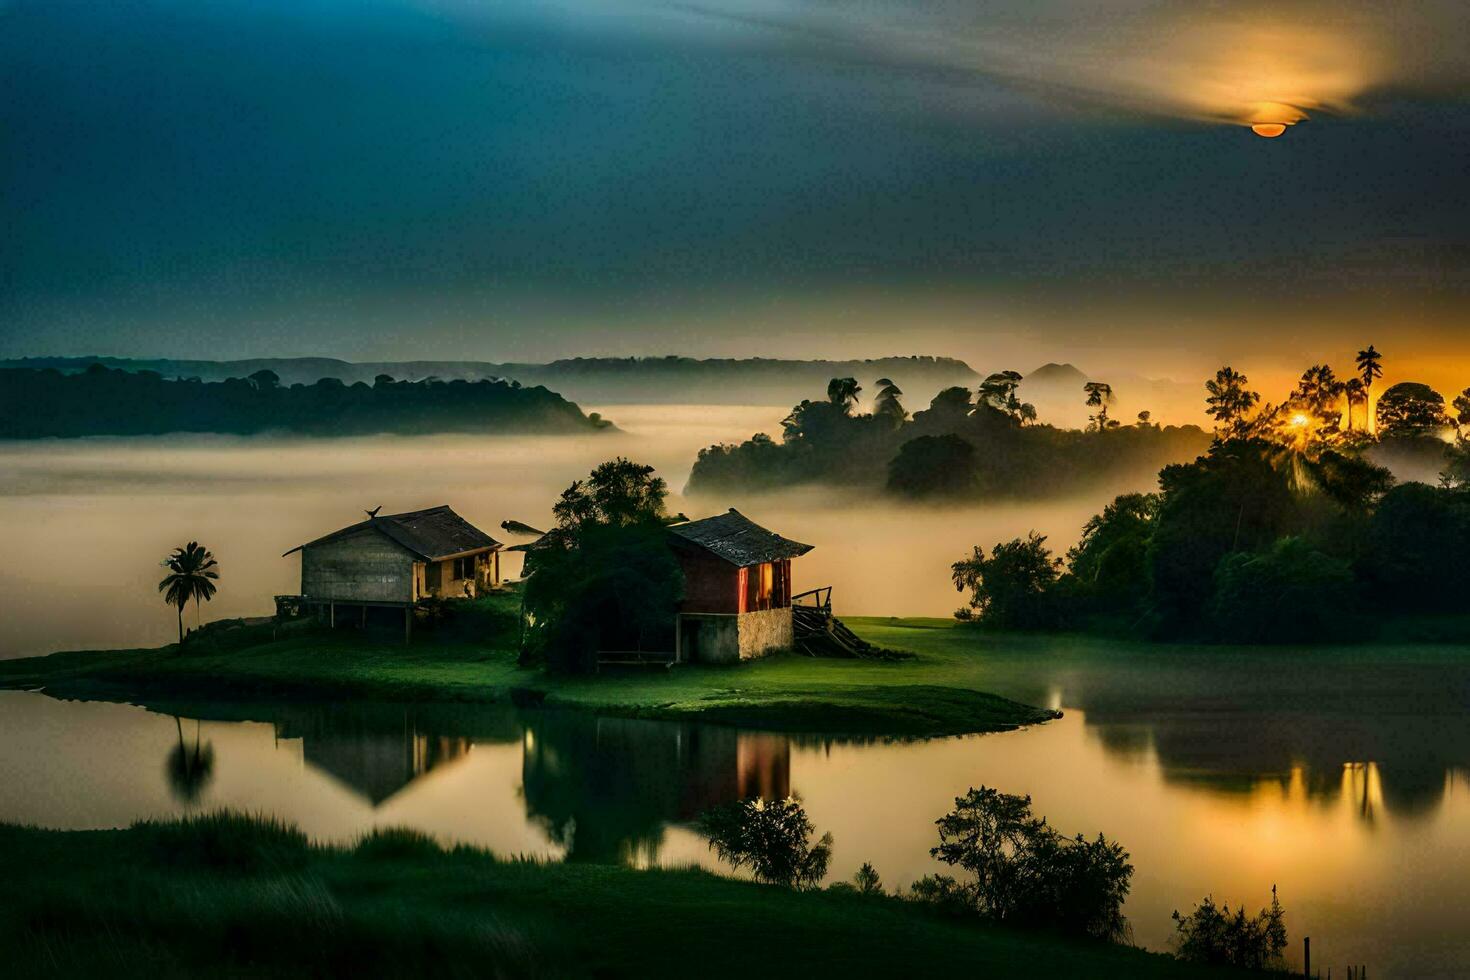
1362 817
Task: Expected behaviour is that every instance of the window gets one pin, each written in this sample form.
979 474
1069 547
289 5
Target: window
465 567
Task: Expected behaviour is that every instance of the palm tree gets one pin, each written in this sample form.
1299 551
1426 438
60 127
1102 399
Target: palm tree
1356 394
1099 393
843 393
189 769
1369 368
191 575
1229 401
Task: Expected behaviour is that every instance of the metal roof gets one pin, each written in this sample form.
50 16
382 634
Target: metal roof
431 534
739 540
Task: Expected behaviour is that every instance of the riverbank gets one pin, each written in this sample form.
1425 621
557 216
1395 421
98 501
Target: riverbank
473 659
249 898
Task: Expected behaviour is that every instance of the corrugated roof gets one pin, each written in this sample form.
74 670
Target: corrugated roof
739 540
431 534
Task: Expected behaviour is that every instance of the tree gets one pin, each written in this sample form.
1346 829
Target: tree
887 406
1291 593
192 574
1008 589
1211 934
1370 368
934 466
606 579
1230 402
1145 419
1357 394
265 380
999 392
619 492
1456 473
1111 559
1099 394
1461 405
1316 397
770 837
1023 872
843 393
1412 409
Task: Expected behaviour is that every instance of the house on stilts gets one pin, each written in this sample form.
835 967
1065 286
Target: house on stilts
393 562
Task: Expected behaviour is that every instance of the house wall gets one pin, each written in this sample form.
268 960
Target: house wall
362 567
764 632
711 585
718 638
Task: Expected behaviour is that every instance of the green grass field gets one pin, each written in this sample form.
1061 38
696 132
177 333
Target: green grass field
228 896
473 659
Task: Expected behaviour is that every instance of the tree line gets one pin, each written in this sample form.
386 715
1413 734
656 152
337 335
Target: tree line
102 401
1285 530
966 445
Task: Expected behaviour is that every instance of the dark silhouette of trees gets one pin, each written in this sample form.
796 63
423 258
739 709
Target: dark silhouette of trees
1009 588
189 767
192 574
1411 409
843 393
934 467
770 837
1230 402
1286 594
99 401
1212 934
1099 395
887 406
605 578
1022 872
1370 368
957 447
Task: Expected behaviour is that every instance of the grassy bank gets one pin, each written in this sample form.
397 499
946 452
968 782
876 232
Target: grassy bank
473 659
234 897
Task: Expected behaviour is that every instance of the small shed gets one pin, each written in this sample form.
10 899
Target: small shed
395 561
737 588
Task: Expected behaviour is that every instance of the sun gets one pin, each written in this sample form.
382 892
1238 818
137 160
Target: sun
1268 130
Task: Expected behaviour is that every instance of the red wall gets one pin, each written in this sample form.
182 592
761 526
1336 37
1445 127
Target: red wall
711 585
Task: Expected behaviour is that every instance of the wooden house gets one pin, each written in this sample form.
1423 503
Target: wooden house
737 589
396 560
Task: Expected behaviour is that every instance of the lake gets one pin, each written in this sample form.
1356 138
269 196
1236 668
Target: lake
87 521
1229 775
1338 775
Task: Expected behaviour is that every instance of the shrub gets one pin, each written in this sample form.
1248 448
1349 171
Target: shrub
1022 872
1212 934
771 838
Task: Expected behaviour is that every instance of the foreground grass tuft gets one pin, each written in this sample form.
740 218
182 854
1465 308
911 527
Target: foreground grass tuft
100 903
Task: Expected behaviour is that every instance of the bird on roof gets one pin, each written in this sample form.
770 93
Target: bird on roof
374 512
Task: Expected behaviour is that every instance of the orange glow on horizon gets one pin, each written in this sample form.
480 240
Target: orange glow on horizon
1268 130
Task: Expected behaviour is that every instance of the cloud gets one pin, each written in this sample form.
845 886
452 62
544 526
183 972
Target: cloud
1238 63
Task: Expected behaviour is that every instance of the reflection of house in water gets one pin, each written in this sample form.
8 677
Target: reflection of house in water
371 754
604 788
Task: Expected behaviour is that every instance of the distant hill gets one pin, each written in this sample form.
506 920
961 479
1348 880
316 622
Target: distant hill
1056 391
599 380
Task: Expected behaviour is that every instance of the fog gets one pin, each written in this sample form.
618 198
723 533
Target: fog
86 522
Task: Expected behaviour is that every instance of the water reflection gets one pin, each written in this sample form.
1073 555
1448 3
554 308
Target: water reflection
189 767
1363 823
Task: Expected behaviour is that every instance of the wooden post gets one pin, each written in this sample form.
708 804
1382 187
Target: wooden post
332 615
407 624
1306 956
362 620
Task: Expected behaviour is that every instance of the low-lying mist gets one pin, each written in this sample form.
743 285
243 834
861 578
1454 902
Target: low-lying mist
87 521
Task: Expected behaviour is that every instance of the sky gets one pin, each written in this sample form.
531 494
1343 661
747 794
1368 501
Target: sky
1007 181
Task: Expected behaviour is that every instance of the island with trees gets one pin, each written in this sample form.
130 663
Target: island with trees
105 401
601 380
966 446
